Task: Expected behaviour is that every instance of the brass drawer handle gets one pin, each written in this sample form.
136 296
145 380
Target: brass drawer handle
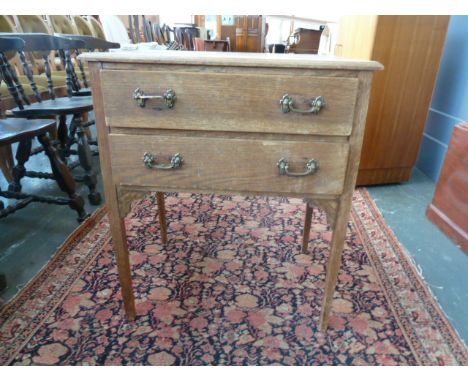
176 162
169 97
310 168
316 105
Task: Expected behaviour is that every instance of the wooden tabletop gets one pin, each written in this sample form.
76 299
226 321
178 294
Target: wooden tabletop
309 61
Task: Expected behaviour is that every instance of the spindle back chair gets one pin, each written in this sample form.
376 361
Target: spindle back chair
54 107
22 132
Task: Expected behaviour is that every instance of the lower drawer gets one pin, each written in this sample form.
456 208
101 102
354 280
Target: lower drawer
228 164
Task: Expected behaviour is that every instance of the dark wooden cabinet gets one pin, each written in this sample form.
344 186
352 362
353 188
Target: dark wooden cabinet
449 207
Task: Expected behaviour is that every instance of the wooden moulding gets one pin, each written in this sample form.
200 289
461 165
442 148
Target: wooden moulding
261 60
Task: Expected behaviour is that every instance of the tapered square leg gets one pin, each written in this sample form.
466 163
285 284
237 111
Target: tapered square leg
307 225
162 216
334 263
119 239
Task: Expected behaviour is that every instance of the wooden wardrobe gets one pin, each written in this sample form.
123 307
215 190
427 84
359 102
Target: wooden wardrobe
410 48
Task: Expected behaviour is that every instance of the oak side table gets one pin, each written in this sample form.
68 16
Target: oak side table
230 123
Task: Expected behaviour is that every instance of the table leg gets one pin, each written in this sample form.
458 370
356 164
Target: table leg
307 223
334 263
162 216
119 239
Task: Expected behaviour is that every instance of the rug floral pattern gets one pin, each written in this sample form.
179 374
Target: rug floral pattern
230 288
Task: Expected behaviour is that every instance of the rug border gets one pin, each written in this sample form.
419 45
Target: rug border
411 265
77 234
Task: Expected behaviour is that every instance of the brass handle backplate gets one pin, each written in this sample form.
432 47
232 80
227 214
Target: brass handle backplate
287 105
176 162
169 97
311 167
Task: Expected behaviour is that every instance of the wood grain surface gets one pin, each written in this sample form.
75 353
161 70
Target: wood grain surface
261 60
410 48
222 165
229 102
449 207
231 133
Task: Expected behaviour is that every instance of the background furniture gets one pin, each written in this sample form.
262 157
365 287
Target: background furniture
449 207
171 121
217 46
305 41
42 44
410 47
23 131
250 33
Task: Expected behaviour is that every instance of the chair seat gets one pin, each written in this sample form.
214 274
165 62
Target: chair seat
58 106
14 130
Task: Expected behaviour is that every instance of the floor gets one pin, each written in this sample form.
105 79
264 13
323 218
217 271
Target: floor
441 262
30 237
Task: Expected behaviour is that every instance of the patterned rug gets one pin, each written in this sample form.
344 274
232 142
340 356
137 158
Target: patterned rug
232 288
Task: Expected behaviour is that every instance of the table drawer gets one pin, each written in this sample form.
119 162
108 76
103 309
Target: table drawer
228 164
229 102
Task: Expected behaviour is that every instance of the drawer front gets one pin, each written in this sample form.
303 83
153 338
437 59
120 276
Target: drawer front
229 102
228 164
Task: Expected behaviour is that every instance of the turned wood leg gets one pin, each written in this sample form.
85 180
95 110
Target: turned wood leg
63 177
307 223
162 216
334 263
22 155
3 282
6 162
85 157
62 135
85 118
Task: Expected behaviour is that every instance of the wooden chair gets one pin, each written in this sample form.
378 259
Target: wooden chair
23 131
96 27
63 26
81 26
6 155
36 24
55 107
90 44
199 44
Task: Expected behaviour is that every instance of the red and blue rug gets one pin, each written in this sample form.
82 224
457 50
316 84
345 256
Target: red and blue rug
230 288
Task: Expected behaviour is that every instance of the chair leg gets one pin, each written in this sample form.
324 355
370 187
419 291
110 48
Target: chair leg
63 177
3 282
85 157
6 162
162 216
22 155
85 119
62 135
307 224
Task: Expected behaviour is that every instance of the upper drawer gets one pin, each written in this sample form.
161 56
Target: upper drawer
229 102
